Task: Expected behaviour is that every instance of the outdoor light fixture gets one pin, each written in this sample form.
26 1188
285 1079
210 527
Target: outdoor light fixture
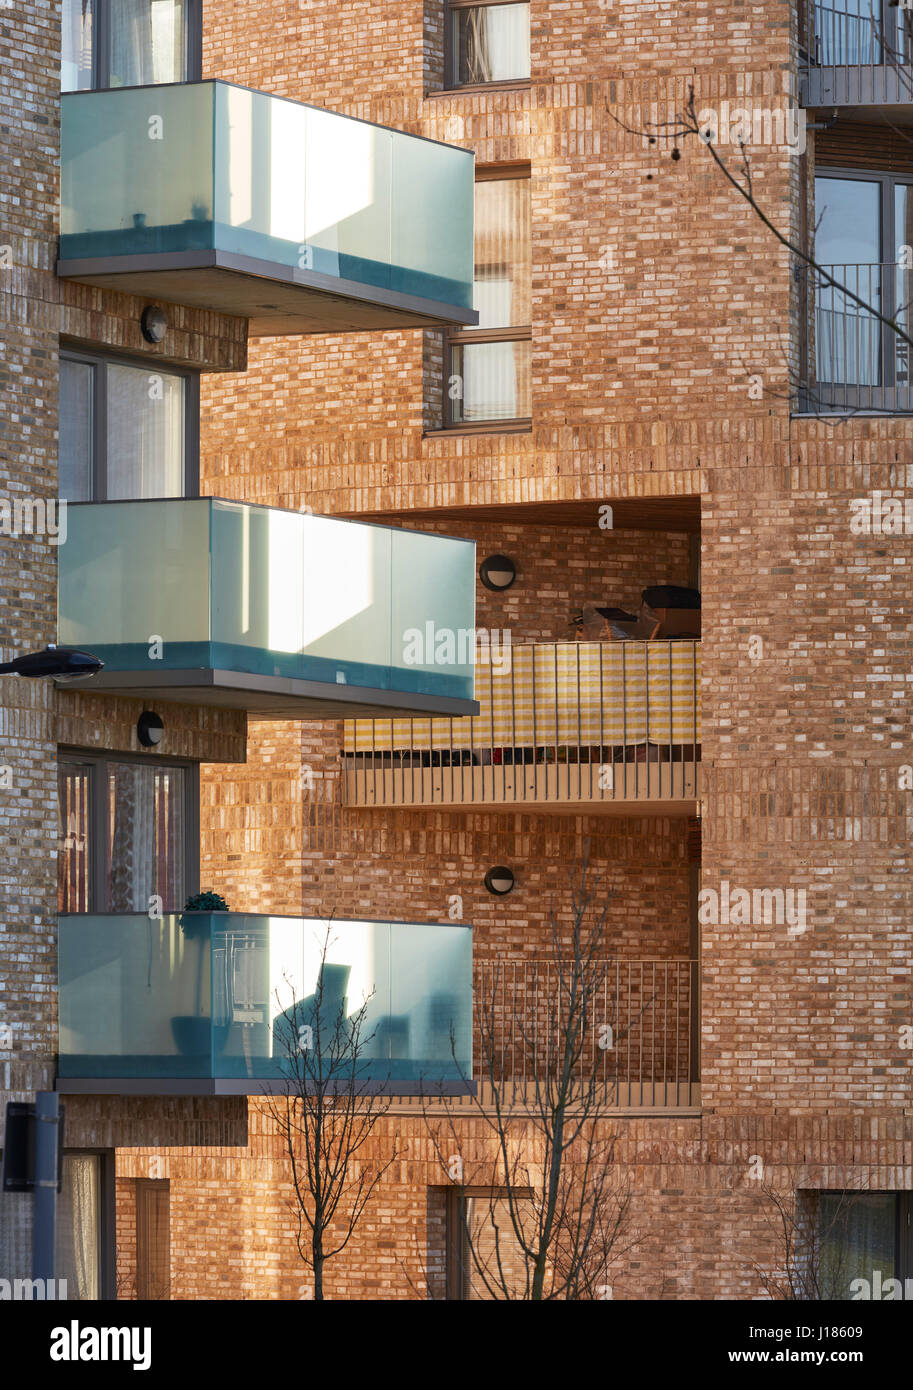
66 663
153 323
149 728
499 881
498 572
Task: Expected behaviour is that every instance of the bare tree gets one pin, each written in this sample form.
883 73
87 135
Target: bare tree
327 1115
542 1212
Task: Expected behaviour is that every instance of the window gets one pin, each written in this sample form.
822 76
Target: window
488 368
863 238
127 430
865 1241
129 43
486 43
153 1239
853 32
484 1257
85 1229
126 832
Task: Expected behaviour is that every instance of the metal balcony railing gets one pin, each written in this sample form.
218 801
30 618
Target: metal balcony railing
859 33
858 54
638 1041
596 723
849 359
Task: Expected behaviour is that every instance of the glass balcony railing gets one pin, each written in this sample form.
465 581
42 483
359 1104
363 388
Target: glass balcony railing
221 1002
299 219
271 611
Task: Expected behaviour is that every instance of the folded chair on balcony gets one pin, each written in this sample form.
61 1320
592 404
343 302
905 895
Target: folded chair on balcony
670 611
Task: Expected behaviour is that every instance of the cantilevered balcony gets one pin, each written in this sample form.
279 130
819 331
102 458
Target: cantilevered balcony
851 362
211 1003
859 55
605 725
300 220
277 613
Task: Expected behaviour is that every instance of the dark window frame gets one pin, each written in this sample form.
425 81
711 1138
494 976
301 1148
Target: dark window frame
101 47
903 1227
486 173
98 760
887 181
190 377
451 83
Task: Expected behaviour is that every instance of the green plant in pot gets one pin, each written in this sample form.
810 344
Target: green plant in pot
195 1033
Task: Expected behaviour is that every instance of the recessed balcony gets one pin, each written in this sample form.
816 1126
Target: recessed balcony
211 1003
281 614
609 726
300 220
859 55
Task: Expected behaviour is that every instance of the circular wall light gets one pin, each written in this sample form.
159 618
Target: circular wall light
153 323
499 880
498 572
149 729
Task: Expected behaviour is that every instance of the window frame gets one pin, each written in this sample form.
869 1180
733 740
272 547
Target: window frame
451 84
903 1221
486 173
99 433
143 1265
98 760
887 181
107 1217
101 48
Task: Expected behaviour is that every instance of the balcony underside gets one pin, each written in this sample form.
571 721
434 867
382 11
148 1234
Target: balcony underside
239 1086
269 697
275 299
668 789
657 1098
879 91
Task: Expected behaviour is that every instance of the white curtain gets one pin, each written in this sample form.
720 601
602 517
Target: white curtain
146 42
145 433
78 1247
493 43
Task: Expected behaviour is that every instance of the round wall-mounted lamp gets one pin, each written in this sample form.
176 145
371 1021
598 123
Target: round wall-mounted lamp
149 729
153 323
498 572
499 881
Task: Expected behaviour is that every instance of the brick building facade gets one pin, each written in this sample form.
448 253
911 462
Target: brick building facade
668 356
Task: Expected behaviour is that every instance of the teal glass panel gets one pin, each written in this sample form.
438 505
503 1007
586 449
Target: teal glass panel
433 613
136 171
188 584
210 166
310 591
133 582
135 996
433 200
232 997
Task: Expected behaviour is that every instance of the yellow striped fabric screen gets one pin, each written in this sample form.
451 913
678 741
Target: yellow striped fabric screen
577 693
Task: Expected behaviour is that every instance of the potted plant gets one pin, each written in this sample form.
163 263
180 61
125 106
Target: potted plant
194 1034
